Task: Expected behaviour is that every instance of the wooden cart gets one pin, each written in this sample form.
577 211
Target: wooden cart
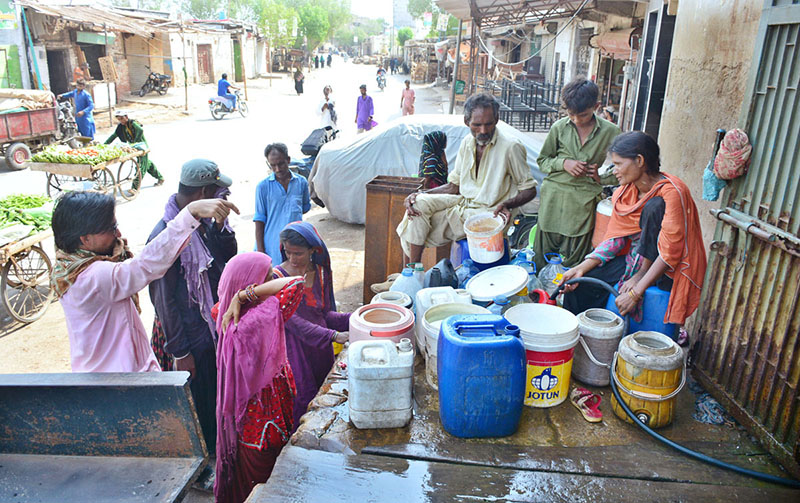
127 173
25 280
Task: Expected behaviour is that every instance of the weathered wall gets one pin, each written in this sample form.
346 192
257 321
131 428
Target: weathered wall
711 56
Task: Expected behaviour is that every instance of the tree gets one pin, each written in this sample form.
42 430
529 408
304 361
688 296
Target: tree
419 7
201 9
404 34
313 24
277 21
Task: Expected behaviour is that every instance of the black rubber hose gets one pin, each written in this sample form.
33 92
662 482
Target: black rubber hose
698 455
683 450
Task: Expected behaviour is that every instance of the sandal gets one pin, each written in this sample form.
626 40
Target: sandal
587 403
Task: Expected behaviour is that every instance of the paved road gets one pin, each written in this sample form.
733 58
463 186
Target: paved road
237 145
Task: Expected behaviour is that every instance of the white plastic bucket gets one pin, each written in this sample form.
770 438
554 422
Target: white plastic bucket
485 237
381 322
549 334
429 297
431 323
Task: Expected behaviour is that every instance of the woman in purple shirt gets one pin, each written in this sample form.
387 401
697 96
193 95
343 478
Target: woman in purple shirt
316 324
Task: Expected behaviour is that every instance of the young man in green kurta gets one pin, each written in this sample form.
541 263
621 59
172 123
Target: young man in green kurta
130 131
573 151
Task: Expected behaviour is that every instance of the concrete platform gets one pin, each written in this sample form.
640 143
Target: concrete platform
554 456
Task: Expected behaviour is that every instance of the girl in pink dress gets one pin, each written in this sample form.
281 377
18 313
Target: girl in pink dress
407 99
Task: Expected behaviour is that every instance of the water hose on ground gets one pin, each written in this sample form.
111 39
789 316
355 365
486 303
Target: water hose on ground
683 450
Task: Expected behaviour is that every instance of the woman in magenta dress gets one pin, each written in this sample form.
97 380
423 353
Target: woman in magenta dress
316 324
255 385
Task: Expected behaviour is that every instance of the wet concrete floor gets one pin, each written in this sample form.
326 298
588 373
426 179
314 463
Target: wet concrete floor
554 456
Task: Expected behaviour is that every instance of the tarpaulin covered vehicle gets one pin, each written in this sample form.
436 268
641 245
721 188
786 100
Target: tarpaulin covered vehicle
344 166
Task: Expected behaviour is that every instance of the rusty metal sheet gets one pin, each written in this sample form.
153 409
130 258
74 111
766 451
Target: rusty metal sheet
26 478
748 350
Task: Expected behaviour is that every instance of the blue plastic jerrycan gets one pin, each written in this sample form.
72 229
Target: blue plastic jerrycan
654 307
481 369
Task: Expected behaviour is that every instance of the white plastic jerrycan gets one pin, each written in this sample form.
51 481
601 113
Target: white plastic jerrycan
380 377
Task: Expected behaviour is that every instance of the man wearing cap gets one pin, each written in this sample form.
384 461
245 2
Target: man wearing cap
130 131
364 110
98 280
184 296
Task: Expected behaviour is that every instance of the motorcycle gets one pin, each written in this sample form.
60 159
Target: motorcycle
219 107
155 82
381 82
67 126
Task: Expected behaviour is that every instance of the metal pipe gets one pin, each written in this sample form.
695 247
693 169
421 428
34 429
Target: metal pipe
745 225
108 87
455 67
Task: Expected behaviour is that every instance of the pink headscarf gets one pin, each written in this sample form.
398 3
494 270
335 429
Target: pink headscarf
249 355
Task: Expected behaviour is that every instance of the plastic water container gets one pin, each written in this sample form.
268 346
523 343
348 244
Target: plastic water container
406 283
381 322
601 219
429 297
499 305
459 254
550 335
552 273
601 331
481 373
485 237
397 298
431 326
418 271
380 380
654 308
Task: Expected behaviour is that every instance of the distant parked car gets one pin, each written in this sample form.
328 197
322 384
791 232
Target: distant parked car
345 165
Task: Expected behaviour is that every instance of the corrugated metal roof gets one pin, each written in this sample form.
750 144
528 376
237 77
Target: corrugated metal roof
493 13
93 16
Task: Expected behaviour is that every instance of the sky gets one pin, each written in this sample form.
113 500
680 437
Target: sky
372 8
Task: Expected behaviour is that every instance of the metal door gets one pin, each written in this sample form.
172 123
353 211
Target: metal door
748 353
205 70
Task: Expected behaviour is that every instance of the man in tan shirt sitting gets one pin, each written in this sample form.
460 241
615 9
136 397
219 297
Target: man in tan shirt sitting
490 174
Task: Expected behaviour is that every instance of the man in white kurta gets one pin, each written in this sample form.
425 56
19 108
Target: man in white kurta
491 173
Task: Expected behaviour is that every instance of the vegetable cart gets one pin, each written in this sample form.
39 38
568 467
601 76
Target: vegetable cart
25 280
126 167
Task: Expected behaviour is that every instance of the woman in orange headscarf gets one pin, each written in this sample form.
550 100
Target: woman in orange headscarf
653 238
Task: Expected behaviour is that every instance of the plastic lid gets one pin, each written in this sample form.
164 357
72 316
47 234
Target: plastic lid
501 300
505 280
407 272
546 327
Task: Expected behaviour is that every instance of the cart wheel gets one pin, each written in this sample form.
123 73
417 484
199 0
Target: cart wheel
17 156
30 271
104 181
55 183
127 174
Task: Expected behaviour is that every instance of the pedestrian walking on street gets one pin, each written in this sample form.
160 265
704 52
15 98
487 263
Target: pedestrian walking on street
98 280
184 296
392 65
327 108
255 384
316 61
131 132
330 60
83 108
365 110
299 78
281 198
407 98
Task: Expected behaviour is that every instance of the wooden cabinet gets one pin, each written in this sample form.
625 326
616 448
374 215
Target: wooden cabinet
383 254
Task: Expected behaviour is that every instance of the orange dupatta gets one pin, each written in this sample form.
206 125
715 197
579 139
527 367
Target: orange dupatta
680 242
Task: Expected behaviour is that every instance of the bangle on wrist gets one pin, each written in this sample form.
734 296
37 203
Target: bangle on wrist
635 296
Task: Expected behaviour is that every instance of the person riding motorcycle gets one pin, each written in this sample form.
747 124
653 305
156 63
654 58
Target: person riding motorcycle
381 75
222 90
